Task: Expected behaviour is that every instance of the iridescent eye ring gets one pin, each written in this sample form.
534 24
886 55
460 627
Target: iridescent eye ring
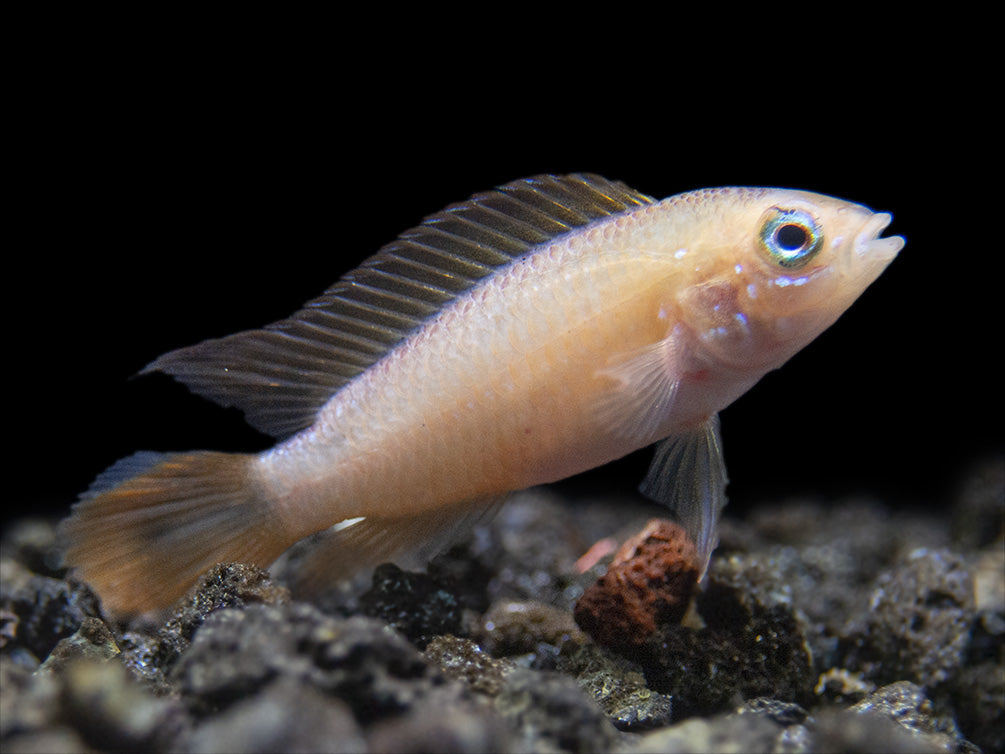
789 237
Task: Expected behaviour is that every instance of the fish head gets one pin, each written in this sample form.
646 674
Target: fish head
776 268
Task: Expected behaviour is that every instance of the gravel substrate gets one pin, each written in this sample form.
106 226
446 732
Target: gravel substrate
839 626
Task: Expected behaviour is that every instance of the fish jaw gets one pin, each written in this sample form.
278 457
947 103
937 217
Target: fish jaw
870 253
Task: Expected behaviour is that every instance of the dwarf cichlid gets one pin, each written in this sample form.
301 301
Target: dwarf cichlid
525 335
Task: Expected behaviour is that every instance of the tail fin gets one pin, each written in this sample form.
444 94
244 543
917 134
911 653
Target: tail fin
153 523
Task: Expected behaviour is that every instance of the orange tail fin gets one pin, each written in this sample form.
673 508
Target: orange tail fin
153 523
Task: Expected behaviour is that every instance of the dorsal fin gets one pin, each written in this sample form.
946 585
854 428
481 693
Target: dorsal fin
282 374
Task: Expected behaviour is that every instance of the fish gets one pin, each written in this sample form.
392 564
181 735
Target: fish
528 334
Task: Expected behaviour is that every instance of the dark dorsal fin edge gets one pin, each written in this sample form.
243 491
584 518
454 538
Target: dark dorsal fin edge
282 374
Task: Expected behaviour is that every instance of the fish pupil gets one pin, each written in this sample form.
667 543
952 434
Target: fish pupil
791 237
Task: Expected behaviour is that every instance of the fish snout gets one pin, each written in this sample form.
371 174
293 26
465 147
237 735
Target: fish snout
873 249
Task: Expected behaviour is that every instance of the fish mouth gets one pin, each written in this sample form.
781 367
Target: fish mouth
870 247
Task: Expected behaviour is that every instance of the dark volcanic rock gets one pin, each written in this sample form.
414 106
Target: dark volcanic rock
979 700
224 585
419 606
84 705
919 620
837 626
41 610
284 716
362 661
550 711
618 686
752 644
33 543
112 712
532 554
93 641
906 704
445 726
463 660
520 628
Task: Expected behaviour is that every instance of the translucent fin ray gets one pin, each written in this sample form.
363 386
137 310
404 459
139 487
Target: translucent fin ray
409 541
283 373
644 390
688 475
152 523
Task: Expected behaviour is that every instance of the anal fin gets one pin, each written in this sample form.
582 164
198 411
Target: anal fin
409 541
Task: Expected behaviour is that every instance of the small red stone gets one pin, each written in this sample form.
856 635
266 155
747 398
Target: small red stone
649 582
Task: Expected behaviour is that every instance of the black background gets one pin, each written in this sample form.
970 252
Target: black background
170 194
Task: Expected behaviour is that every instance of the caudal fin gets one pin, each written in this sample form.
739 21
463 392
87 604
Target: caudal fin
153 523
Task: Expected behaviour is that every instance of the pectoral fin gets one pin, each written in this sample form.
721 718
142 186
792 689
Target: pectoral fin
688 475
644 386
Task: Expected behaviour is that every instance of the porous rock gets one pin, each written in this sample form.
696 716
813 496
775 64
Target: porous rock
113 712
41 610
906 704
979 699
726 733
752 644
417 605
649 583
224 585
551 712
367 664
618 686
441 722
33 543
463 660
918 623
284 716
512 628
93 641
83 705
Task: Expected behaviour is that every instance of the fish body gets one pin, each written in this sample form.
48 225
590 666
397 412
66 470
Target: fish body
526 335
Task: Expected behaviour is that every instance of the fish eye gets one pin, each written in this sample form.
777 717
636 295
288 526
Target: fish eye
789 237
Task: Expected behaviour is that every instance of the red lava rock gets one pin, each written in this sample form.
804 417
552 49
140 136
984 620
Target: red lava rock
649 582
